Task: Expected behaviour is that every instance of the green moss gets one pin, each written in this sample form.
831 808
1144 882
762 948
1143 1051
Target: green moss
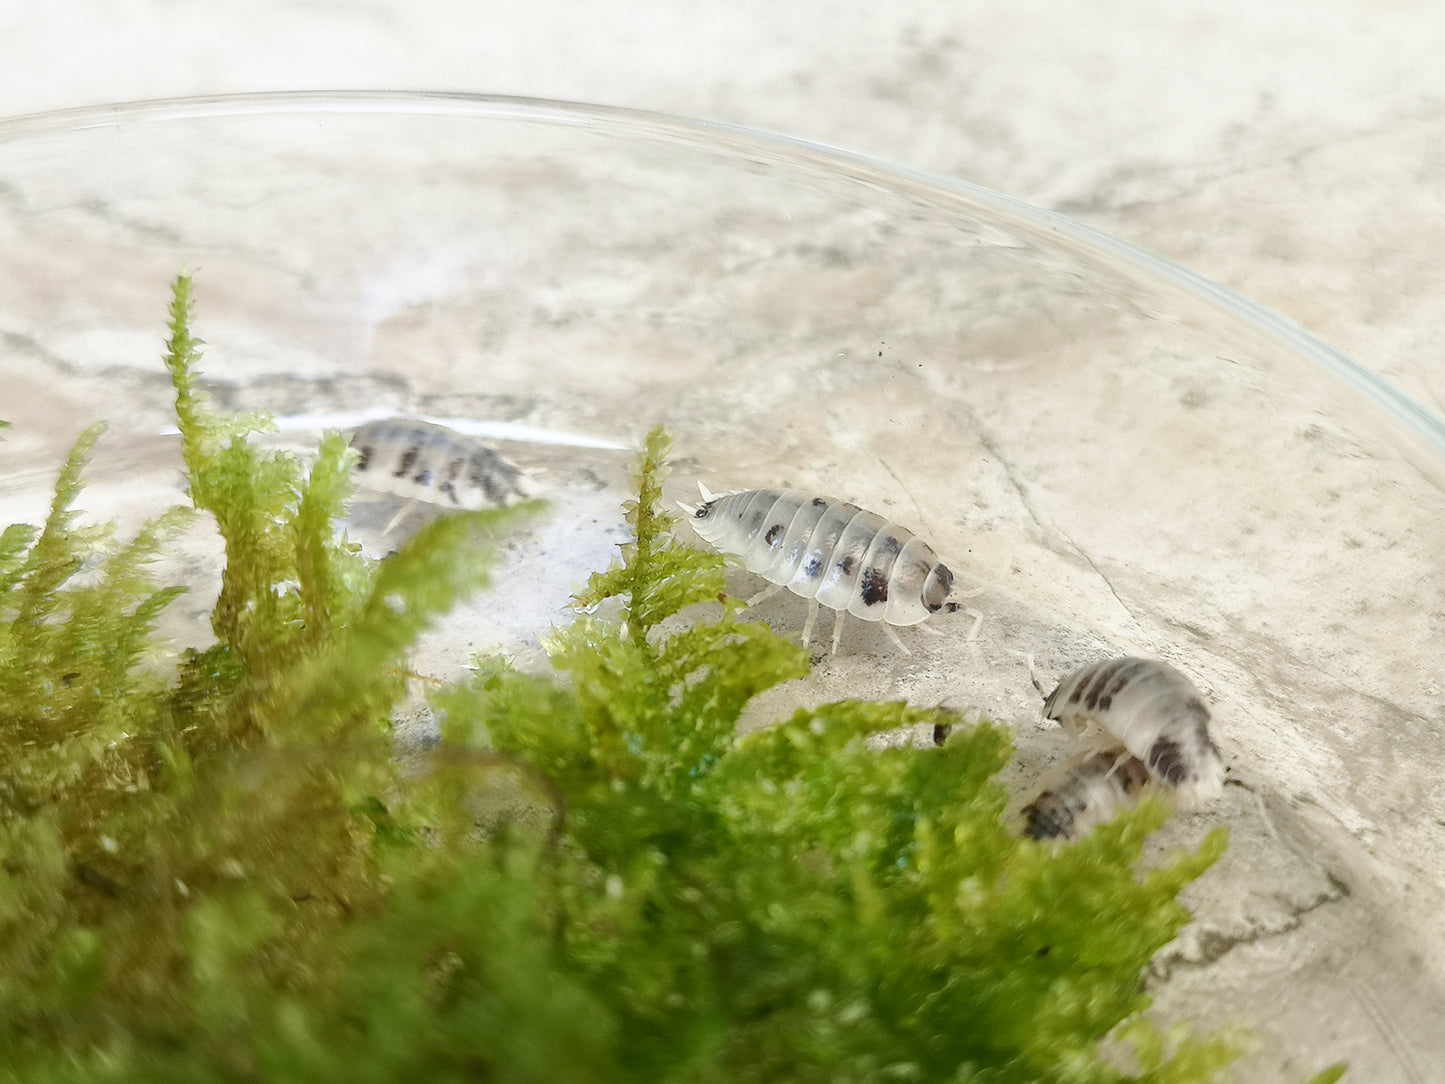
210 868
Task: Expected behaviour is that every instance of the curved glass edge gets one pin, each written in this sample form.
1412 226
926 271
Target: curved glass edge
1425 426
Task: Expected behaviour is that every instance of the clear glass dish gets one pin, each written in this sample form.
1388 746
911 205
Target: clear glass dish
1124 458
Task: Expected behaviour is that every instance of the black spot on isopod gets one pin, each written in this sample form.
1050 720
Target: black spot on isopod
423 479
408 460
1105 681
874 586
845 566
819 502
702 512
1132 774
814 566
448 490
1105 676
1112 687
1105 702
775 533
1167 761
1195 708
366 452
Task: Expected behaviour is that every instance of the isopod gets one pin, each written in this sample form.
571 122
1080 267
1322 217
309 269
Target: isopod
829 552
1151 709
429 462
1089 789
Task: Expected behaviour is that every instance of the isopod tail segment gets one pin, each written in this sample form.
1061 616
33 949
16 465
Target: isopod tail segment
831 553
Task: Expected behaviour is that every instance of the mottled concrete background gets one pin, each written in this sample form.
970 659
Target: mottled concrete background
1292 151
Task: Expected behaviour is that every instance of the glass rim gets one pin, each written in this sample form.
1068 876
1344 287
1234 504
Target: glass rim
1424 427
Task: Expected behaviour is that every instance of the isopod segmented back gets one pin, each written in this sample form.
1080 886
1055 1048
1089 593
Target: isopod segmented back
829 551
1155 712
429 462
1090 789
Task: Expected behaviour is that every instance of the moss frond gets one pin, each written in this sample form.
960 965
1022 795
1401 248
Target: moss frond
176 848
356 673
653 580
77 615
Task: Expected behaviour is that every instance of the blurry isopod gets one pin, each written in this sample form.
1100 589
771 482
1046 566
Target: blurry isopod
1089 789
427 462
1154 712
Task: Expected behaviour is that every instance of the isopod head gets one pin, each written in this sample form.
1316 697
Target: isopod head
937 588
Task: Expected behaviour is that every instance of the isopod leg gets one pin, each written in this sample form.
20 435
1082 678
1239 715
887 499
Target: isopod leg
1264 814
837 628
892 636
766 593
406 510
808 624
1119 760
1028 657
977 624
954 607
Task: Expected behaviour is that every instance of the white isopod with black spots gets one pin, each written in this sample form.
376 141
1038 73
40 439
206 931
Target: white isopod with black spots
1090 789
407 457
1154 712
830 552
